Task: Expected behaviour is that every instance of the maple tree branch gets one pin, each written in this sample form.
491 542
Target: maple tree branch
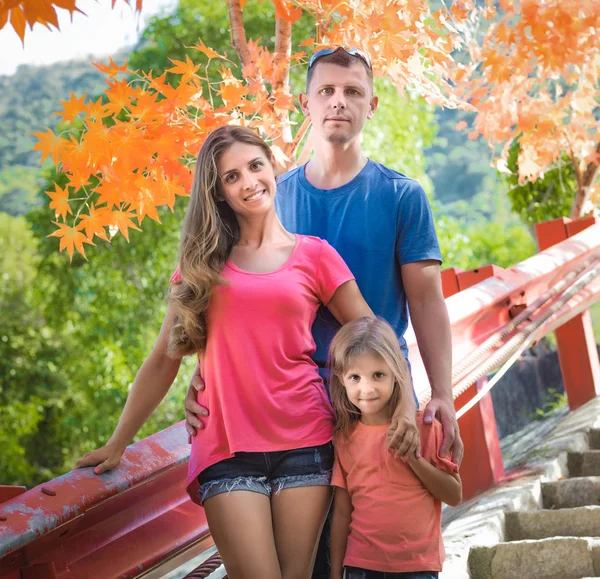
305 126
590 171
306 150
238 32
583 190
283 51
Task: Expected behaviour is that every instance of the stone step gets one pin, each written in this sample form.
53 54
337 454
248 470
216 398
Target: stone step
573 492
594 435
555 558
576 522
584 463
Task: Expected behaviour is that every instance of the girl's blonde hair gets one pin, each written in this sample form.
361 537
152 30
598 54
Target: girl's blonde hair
210 230
363 336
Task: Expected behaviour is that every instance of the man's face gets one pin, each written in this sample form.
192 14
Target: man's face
339 101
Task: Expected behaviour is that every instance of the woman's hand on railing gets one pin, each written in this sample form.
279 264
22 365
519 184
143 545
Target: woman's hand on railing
105 458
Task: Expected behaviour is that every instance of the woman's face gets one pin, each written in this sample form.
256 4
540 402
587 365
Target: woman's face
247 179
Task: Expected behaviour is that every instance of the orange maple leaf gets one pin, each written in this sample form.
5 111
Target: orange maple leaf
50 145
70 239
112 69
18 21
72 108
286 11
60 201
95 222
120 95
186 69
201 47
232 92
121 221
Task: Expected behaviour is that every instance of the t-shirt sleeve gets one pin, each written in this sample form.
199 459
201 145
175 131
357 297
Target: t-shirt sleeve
417 239
338 476
431 440
332 272
175 277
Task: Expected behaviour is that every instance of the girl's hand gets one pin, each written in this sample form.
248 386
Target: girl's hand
106 458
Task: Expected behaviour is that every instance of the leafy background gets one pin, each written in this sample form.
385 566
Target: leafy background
72 336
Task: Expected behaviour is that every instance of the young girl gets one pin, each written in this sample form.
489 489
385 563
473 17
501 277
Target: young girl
387 513
244 298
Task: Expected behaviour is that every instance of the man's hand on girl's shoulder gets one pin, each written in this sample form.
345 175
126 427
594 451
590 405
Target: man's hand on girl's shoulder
402 437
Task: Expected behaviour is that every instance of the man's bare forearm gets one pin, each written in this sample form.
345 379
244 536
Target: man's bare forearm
432 328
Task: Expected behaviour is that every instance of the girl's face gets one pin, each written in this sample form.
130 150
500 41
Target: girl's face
247 179
369 383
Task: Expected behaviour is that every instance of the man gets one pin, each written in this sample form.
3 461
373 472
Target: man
379 221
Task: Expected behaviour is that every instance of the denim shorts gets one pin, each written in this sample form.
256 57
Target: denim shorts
358 573
268 473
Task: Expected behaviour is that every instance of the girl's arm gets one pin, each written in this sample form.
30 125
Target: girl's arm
340 529
151 384
442 485
348 304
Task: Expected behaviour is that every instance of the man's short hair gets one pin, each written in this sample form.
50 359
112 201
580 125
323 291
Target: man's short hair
340 58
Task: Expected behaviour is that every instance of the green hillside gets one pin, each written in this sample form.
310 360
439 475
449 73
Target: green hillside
28 100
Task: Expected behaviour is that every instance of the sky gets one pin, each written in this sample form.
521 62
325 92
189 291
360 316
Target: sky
101 32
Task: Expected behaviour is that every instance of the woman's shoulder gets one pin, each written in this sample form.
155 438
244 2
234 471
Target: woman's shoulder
312 240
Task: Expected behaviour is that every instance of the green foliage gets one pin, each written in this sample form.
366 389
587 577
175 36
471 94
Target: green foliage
553 401
483 243
458 167
18 186
549 197
399 131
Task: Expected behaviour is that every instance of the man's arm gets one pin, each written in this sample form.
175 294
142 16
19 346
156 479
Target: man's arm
429 316
192 409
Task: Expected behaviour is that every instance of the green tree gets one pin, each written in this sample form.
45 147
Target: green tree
549 197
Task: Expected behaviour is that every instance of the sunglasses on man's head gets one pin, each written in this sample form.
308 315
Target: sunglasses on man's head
351 51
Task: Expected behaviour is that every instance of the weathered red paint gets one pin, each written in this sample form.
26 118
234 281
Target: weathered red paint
9 491
114 525
577 350
450 281
482 466
123 523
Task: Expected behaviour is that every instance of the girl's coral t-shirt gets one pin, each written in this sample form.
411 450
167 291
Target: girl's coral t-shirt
396 522
263 391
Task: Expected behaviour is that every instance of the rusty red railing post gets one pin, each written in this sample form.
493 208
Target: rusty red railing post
577 350
482 466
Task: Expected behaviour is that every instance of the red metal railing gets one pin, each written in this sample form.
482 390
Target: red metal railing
138 518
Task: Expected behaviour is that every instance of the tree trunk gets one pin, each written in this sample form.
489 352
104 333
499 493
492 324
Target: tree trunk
283 51
584 183
238 32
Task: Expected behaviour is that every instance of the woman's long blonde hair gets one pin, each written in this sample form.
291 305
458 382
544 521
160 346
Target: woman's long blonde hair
363 336
210 230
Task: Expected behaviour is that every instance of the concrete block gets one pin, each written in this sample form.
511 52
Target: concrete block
569 493
556 558
576 522
594 438
584 463
479 563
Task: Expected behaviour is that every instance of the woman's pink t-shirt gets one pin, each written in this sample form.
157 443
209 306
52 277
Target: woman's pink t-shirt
263 391
396 522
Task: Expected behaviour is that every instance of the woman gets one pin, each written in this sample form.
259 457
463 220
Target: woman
244 297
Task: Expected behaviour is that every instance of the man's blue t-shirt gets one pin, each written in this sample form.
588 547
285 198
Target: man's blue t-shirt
377 222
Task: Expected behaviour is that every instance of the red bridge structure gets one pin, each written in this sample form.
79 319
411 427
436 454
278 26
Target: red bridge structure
137 521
